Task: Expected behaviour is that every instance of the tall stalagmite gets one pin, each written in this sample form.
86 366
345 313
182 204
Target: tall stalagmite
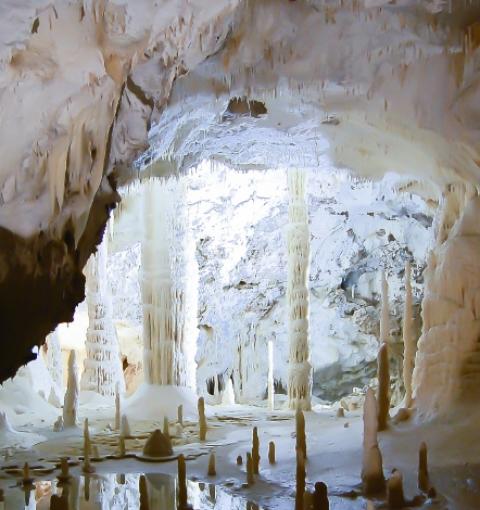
298 249
168 290
409 346
385 317
70 405
102 366
383 398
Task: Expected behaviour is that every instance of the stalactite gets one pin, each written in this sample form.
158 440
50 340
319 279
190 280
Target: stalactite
409 345
255 451
383 398
102 366
271 452
202 421
270 380
372 465
298 250
168 284
301 438
70 406
55 367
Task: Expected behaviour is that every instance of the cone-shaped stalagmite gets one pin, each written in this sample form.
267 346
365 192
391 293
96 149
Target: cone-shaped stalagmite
395 496
70 406
271 452
86 467
211 465
301 441
157 445
423 478
383 387
372 466
202 421
409 344
125 427
255 451
300 480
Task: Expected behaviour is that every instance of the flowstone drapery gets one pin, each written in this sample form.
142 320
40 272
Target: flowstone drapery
168 286
102 366
298 250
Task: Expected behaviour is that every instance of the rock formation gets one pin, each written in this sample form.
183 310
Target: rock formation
70 406
55 367
202 420
255 451
409 343
271 452
298 245
423 478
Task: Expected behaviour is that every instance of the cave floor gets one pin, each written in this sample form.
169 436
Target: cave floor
334 456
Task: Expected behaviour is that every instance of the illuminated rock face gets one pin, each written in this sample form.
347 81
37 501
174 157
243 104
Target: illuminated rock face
447 368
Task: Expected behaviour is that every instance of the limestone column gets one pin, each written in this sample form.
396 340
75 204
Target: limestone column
298 251
102 366
168 272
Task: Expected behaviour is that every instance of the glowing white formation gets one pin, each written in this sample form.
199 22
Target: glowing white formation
385 316
70 406
270 382
55 367
102 365
409 345
228 395
168 311
298 249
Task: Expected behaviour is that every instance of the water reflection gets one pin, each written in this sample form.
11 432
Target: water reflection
120 492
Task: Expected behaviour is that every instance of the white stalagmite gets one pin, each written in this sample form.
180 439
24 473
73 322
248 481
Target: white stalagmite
102 365
168 286
270 380
385 316
55 365
70 405
298 250
409 346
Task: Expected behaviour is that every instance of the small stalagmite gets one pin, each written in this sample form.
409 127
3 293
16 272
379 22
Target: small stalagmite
255 451
239 460
395 497
202 421
86 467
250 477
125 427
301 441
320 497
182 483
121 447
64 470
383 387
271 452
142 485
300 480
423 478
211 465
166 427
180 414
372 466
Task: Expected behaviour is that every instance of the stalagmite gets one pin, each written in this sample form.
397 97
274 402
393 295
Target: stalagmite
86 466
55 368
320 497
211 465
182 483
298 249
255 451
157 445
102 366
383 398
117 408
271 452
423 478
385 313
202 421
166 427
239 460
27 479
180 415
64 470
250 477
121 446
143 490
70 406
301 438
409 345
300 480
125 427
372 466
395 495
168 286
270 379
228 395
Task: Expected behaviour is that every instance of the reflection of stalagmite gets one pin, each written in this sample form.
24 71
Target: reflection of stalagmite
271 452
408 338
142 485
102 366
301 438
255 451
182 483
167 290
202 421
70 406
383 387
395 495
423 478
298 248
372 466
